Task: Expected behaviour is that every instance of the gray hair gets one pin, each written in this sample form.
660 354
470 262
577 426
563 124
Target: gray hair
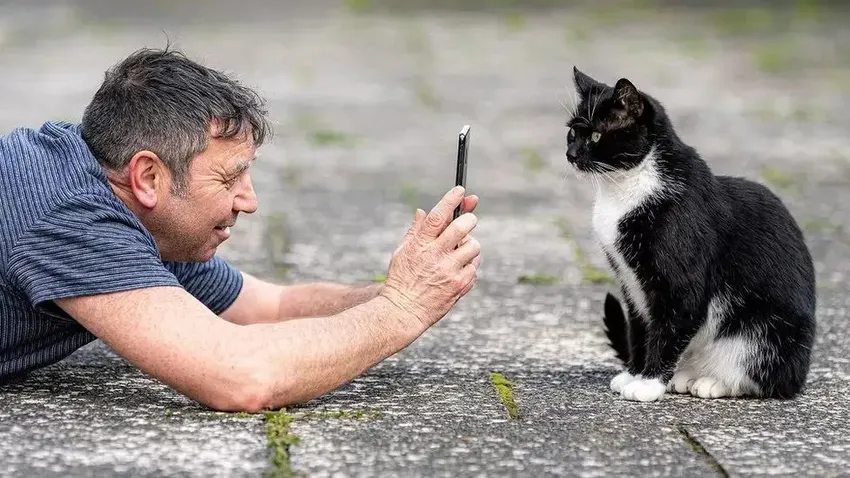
160 101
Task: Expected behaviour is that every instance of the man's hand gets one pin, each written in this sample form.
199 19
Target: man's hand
437 262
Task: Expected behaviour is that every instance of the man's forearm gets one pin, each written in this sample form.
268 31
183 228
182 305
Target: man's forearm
323 299
307 358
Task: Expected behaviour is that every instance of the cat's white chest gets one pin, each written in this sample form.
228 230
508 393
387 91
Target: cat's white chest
617 197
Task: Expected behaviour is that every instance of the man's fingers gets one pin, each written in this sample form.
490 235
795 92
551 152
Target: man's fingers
468 276
414 228
457 230
470 203
469 249
440 216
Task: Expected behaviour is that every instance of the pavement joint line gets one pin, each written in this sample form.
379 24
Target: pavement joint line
280 437
700 450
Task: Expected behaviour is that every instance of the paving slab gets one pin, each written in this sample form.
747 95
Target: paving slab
367 101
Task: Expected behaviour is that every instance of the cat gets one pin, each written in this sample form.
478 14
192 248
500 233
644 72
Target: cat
717 281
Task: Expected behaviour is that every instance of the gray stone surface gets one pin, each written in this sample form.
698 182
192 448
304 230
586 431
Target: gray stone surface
367 106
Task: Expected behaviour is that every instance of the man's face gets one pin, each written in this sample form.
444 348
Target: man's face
196 222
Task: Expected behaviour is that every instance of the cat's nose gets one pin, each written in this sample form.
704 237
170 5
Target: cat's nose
572 155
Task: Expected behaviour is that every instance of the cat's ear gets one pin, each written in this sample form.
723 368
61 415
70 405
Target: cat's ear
628 97
583 82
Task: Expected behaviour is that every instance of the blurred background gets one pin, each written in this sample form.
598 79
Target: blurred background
367 98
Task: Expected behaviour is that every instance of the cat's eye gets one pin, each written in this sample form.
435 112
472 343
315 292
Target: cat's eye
571 134
595 136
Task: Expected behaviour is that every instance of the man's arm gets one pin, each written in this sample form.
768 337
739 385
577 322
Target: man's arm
172 336
263 302
168 334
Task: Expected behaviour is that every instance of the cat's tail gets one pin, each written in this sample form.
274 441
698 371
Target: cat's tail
616 327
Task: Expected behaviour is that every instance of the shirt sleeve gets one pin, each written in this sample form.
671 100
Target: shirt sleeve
87 245
215 283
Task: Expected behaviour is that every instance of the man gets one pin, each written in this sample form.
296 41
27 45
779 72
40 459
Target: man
108 229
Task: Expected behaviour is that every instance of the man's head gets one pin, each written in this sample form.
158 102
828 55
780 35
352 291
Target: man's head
176 139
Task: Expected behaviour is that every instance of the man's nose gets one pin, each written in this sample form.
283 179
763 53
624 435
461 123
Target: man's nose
246 200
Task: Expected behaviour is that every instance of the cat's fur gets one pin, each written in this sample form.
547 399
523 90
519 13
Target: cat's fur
717 281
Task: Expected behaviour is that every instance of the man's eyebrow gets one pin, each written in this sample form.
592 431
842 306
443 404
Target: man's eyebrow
242 166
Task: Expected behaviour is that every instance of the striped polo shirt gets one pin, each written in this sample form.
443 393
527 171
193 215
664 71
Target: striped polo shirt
64 233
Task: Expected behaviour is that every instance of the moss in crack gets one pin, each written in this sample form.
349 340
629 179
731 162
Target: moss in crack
339 414
537 279
505 390
280 437
697 447
532 159
589 272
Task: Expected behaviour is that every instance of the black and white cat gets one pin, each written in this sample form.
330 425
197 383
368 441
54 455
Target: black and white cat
718 283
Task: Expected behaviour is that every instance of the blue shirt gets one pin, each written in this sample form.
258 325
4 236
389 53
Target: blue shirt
64 233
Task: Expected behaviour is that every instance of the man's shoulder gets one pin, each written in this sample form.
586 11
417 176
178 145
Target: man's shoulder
52 158
45 169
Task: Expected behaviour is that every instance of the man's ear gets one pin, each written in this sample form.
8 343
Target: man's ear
628 98
147 178
584 83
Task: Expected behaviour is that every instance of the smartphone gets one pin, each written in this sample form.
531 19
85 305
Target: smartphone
462 154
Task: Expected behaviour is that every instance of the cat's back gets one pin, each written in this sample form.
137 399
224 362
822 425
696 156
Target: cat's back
764 239
756 208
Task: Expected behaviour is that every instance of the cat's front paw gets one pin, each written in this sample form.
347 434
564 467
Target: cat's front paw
709 387
644 390
622 379
681 382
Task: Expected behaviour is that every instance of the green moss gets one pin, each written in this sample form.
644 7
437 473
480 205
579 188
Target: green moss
578 34
537 279
589 272
774 58
818 225
320 134
777 178
358 6
532 159
742 21
329 137
514 21
380 278
409 195
504 389
808 11
337 414
426 94
279 439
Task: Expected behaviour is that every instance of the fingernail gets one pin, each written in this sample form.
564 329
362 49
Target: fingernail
457 190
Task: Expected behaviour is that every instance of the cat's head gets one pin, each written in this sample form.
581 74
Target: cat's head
611 128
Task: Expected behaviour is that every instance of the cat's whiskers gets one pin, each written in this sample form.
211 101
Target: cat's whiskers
598 98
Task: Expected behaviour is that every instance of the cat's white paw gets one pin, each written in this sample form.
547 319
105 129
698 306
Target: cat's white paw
622 379
681 382
709 387
644 390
